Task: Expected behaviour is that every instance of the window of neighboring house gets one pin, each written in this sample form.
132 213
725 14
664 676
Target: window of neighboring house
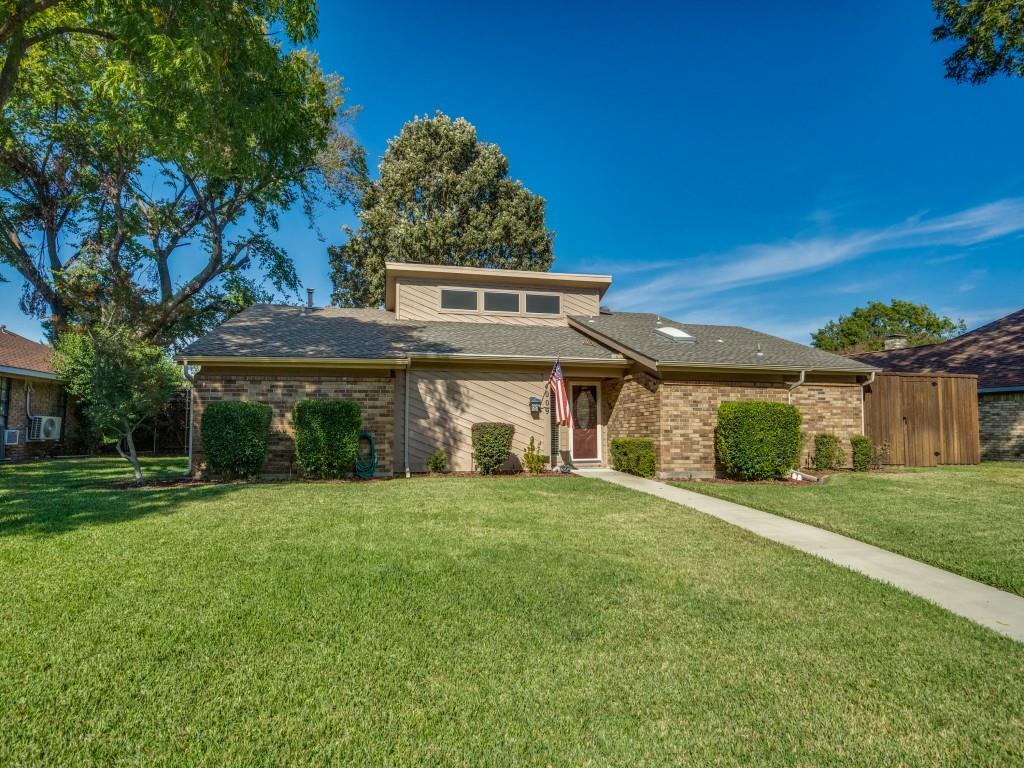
460 300
543 304
501 301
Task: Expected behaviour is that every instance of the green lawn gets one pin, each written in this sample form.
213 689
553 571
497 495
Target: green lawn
969 520
505 621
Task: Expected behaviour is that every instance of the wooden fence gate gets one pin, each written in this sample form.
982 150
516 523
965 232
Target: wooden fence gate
926 419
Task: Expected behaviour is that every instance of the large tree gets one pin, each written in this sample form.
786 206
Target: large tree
443 197
145 168
865 328
991 37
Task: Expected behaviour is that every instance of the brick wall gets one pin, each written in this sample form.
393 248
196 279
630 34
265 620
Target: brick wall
47 400
689 415
681 415
631 409
375 395
1001 422
829 408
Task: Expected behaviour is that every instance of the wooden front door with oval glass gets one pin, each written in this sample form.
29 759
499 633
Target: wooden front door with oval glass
584 421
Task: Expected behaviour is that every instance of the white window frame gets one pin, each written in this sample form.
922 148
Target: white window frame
443 308
482 303
542 314
596 383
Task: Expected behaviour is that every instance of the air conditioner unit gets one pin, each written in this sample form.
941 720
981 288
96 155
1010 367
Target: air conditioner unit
45 428
12 436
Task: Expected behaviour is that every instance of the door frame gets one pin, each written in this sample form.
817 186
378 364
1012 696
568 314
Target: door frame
596 383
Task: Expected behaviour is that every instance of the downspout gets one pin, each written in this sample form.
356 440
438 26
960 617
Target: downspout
863 387
405 422
797 383
191 389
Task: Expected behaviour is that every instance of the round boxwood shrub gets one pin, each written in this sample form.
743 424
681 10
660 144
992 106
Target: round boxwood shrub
492 443
326 436
863 453
634 455
437 462
756 440
234 435
828 454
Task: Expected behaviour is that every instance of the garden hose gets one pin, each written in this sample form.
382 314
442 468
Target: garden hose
366 466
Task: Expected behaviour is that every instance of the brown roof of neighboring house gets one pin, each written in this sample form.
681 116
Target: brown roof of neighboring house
993 352
725 346
23 354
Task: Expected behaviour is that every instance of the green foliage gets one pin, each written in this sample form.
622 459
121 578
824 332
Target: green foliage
634 455
863 453
149 134
492 442
865 328
437 462
880 455
234 434
828 454
991 34
119 380
327 436
757 440
443 197
533 460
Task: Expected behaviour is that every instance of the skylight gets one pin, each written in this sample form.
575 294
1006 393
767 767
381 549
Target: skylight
676 334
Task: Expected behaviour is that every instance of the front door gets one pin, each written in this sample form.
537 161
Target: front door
584 420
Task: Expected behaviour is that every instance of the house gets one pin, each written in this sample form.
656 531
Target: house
453 346
995 354
34 413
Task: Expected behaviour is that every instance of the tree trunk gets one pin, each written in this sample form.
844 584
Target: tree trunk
131 455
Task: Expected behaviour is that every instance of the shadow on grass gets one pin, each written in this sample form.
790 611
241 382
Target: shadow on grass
52 497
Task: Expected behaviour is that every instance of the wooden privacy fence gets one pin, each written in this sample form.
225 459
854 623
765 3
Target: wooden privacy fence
927 419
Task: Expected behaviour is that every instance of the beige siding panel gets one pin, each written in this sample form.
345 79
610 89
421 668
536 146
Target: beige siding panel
421 300
445 403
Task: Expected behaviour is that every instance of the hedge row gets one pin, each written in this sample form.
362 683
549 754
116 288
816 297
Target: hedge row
634 455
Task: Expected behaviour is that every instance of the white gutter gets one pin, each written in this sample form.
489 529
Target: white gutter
405 425
27 373
797 383
868 383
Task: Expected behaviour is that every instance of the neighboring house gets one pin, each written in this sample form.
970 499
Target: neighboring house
29 387
995 354
455 346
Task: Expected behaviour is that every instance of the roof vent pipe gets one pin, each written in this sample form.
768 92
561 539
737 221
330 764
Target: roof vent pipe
309 298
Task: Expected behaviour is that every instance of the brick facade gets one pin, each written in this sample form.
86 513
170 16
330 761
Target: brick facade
375 395
1001 422
48 399
681 415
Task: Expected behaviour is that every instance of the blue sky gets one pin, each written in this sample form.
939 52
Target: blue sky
763 164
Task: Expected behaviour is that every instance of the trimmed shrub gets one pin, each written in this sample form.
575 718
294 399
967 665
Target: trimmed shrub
437 462
634 455
828 454
533 460
327 436
234 434
755 440
492 443
863 453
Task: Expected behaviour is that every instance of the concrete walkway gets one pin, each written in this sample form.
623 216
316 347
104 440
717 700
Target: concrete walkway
988 606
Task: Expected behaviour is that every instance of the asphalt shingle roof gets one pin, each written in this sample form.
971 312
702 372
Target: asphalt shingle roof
713 345
18 352
993 352
269 330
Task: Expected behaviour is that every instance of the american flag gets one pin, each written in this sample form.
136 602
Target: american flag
559 398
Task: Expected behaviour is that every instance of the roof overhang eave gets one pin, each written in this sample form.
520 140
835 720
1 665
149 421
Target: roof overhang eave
27 373
293 362
521 359
679 365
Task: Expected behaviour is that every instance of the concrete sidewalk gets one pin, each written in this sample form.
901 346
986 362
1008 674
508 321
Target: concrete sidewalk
978 602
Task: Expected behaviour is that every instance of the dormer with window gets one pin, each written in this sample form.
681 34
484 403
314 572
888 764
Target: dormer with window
469 294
